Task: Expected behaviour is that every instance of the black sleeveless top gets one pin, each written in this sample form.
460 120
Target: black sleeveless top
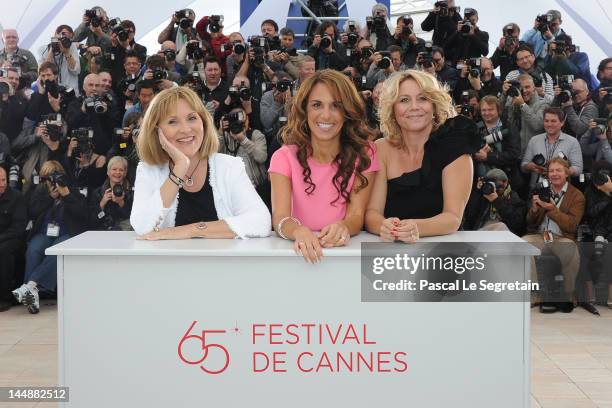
418 194
197 206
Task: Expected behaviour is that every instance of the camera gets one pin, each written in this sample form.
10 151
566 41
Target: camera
602 126
51 88
194 51
352 39
283 85
53 124
57 179
543 191
159 74
489 186
274 43
129 83
135 132
258 45
238 93
118 190
376 24
539 160
385 62
474 64
292 52
515 89
215 23
600 177
509 40
238 47
544 21
84 138
170 55
366 53
65 42
183 18
121 32
96 104
565 83
236 122
194 81
95 17
326 41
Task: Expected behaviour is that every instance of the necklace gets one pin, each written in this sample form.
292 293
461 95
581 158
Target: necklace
190 178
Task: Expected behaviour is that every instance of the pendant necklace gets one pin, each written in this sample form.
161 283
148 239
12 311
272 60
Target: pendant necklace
190 178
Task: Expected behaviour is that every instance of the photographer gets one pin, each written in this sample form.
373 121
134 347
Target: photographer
239 51
84 167
443 71
12 236
274 105
468 41
602 96
545 29
215 89
287 57
13 105
237 139
43 102
378 30
544 147
504 55
96 111
579 109
59 213
124 80
443 20
15 57
130 45
95 29
385 63
595 142
180 29
125 145
168 52
239 96
65 55
557 62
405 37
155 71
145 92
553 218
210 29
501 147
598 219
111 204
524 108
526 62
326 50
477 74
494 206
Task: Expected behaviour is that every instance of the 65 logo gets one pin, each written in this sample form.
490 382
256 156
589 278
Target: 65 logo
194 349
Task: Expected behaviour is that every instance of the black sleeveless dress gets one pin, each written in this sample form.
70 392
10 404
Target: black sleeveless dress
418 194
197 206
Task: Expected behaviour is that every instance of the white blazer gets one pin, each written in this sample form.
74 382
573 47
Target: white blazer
236 201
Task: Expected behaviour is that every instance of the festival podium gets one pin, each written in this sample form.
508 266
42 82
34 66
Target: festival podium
239 323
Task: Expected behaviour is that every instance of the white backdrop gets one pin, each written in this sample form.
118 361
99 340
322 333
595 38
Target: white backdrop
588 21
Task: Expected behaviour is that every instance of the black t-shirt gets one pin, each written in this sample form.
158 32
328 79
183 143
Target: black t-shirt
418 194
197 206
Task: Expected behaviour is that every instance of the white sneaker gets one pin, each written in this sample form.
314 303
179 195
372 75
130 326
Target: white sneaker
20 292
31 300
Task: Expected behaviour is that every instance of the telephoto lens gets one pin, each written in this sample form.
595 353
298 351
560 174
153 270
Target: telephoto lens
118 190
325 41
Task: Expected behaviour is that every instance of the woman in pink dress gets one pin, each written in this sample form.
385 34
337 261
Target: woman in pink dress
323 175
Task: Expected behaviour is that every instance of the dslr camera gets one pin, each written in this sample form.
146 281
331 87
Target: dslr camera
489 186
238 93
509 40
385 62
215 23
53 124
377 23
258 44
129 83
84 138
467 24
565 83
543 191
496 136
57 179
236 122
95 17
195 51
56 42
544 21
474 66
284 85
120 31
183 18
444 9
515 89
406 31
97 104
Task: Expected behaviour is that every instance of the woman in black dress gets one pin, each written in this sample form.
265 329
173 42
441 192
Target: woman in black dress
426 170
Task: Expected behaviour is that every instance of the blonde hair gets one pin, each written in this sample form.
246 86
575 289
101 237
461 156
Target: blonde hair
51 166
117 159
435 92
148 145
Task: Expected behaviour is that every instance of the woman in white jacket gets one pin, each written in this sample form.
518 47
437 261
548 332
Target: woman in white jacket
184 188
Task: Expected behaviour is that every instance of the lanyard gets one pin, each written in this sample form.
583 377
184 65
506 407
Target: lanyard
550 152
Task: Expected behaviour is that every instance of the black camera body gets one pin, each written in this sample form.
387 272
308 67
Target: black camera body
600 177
283 85
238 47
352 39
95 17
236 122
159 74
58 179
170 55
474 66
97 104
539 160
543 191
292 52
385 62
52 88
565 83
118 190
195 51
376 23
215 23
84 137
544 21
238 93
515 89
121 33
258 44
489 186
326 41
53 124
183 18
195 82
129 83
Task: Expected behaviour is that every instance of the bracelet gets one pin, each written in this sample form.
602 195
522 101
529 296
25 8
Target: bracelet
178 182
280 225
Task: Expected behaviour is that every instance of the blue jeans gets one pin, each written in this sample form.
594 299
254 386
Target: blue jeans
39 267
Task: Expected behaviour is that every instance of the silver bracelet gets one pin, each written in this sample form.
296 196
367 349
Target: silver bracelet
280 225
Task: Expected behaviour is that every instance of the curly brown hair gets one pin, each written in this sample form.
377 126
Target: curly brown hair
354 135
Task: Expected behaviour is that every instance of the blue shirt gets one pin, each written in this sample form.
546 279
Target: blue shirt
136 108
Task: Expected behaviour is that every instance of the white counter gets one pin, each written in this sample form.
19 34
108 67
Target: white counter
125 305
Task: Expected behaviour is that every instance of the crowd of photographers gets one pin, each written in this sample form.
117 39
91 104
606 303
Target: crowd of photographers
69 119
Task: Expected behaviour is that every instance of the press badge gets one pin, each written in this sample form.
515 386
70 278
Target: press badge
122 145
52 230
